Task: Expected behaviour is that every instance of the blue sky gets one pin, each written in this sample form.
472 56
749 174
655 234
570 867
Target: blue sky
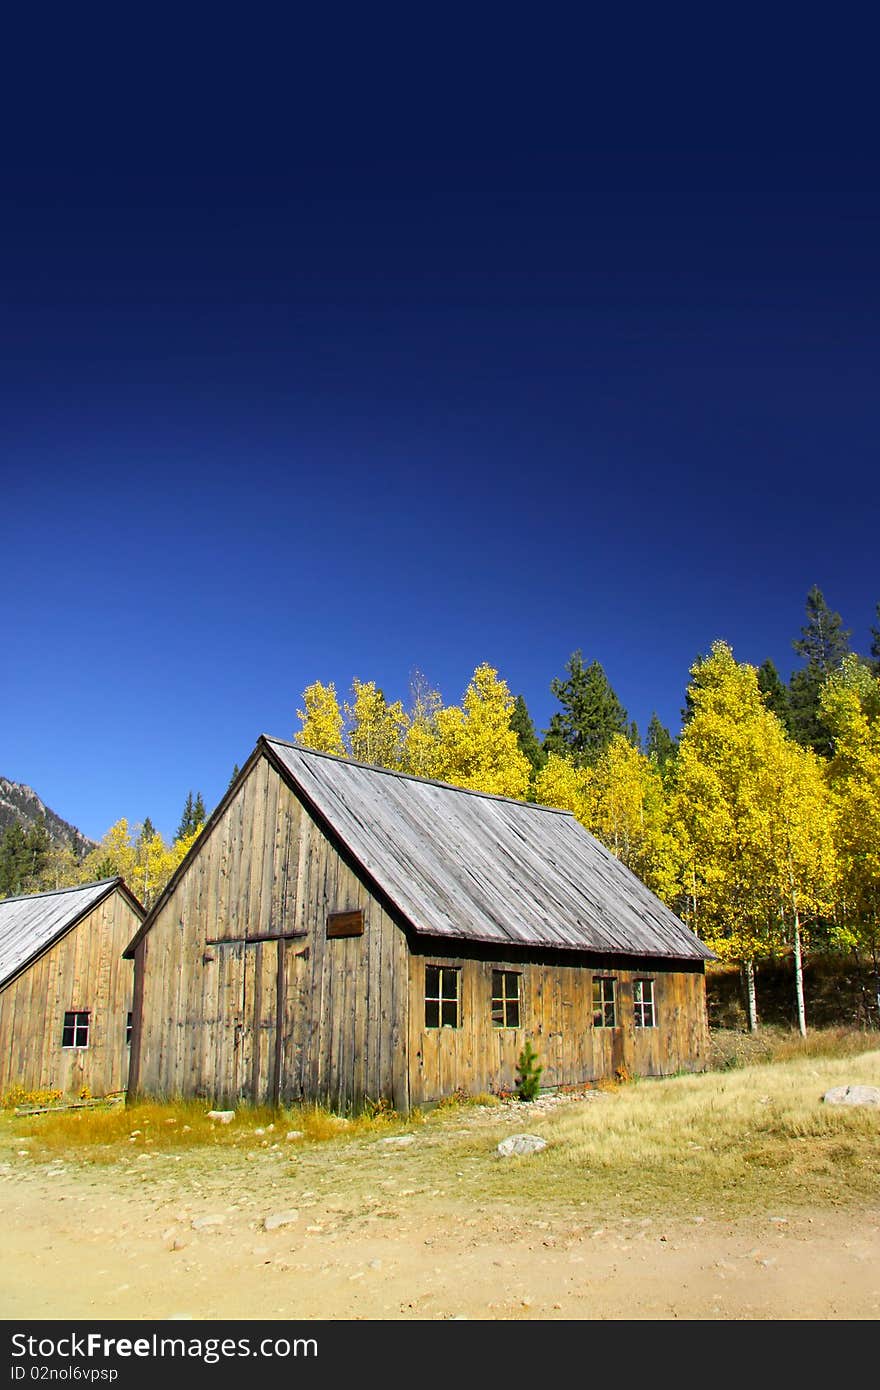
326 358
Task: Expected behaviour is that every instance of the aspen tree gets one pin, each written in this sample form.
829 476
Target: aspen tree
321 720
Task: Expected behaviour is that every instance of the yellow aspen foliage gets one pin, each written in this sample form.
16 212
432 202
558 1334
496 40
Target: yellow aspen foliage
419 752
720 811
377 730
145 862
321 720
626 809
561 784
850 708
114 855
476 747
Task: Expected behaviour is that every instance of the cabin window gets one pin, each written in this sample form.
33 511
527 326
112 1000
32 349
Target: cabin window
442 996
505 999
75 1032
604 1001
643 1004
128 1019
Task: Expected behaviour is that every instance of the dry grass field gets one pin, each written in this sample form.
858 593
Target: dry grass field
734 1194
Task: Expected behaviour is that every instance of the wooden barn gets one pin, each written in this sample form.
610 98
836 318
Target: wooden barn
65 990
341 932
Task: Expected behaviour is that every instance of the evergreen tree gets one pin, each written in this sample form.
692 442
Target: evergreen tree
591 713
200 815
24 855
823 644
660 746
529 743
775 693
875 645
13 860
148 830
235 771
186 820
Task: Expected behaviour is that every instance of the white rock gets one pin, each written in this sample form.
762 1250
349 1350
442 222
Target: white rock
199 1223
279 1219
852 1095
521 1144
223 1117
398 1140
295 1134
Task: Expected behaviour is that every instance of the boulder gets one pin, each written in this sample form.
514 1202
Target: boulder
852 1095
521 1144
279 1219
221 1117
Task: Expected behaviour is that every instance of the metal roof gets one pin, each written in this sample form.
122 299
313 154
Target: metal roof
469 866
30 924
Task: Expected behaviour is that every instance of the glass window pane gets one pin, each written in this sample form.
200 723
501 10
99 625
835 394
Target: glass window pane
497 1013
432 981
432 1013
449 982
513 1013
450 1014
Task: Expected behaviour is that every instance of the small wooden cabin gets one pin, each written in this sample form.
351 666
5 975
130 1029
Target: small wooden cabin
341 932
65 989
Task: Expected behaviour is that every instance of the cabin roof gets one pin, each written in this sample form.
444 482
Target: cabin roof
466 865
30 924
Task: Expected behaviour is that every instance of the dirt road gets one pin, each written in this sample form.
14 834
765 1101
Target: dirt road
388 1230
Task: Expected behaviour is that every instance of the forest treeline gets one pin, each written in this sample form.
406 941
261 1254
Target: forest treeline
759 824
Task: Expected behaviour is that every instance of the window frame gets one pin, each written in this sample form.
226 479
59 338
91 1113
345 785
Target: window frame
75 1026
601 1007
506 1000
441 999
642 1006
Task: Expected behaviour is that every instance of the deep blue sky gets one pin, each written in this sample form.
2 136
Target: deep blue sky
339 354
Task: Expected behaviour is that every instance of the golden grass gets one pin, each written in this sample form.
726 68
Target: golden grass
105 1134
714 1141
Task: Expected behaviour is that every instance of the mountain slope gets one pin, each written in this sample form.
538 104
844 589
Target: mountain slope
20 803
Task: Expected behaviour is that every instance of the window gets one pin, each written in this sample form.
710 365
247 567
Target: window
604 1001
128 1018
643 1004
442 996
505 999
76 1028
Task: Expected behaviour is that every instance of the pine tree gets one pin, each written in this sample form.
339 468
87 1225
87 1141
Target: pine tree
200 815
875 645
591 713
13 860
660 746
186 820
823 644
235 771
527 738
775 693
528 1073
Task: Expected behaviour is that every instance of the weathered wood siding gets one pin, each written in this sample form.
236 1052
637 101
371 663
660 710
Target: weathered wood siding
224 1014
83 971
556 1013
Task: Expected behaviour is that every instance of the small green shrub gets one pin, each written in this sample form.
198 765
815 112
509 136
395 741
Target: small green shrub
528 1073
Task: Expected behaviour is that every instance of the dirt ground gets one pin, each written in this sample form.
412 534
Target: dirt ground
388 1230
